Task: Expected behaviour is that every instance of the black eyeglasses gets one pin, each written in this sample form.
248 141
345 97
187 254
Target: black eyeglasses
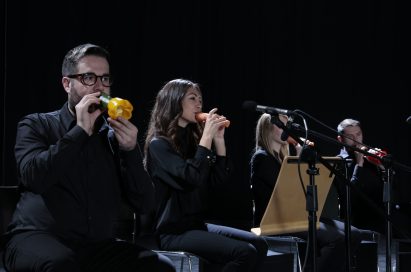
89 79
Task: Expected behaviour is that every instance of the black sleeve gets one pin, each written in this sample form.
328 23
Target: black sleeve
185 174
264 173
356 175
139 188
265 170
221 170
40 158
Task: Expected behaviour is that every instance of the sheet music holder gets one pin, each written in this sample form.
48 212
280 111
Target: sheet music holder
286 211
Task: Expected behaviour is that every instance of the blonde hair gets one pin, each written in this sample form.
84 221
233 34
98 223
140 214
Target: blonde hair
263 138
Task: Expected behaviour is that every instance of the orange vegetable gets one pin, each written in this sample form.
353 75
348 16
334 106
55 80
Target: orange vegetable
202 116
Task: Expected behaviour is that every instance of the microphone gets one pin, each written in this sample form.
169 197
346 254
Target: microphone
408 120
284 136
252 106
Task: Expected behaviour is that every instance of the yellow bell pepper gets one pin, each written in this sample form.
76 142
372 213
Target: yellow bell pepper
116 107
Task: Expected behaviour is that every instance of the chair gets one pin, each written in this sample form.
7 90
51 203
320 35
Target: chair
138 229
181 256
145 238
288 245
9 196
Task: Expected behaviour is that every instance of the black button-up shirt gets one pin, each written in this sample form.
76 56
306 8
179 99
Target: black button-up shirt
184 186
73 183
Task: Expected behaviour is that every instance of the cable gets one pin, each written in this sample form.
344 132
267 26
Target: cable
331 129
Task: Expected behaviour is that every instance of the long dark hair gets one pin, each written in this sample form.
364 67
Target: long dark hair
166 112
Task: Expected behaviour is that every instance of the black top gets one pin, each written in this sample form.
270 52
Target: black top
367 207
73 183
264 172
183 185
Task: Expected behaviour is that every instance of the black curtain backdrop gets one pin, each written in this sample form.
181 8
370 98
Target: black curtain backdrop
331 59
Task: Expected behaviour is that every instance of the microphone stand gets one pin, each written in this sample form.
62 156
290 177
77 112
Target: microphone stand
387 194
347 219
309 155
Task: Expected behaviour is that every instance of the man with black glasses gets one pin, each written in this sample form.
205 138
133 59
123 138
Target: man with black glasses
76 167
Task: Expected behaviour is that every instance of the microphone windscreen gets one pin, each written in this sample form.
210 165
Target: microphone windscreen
249 105
284 136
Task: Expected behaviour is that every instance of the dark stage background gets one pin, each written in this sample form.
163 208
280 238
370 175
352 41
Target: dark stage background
330 59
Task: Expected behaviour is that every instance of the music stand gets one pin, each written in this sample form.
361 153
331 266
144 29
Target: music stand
286 211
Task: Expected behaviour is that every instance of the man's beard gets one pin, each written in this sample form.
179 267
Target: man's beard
73 100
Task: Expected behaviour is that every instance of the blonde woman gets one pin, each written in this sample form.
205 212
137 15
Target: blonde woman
269 153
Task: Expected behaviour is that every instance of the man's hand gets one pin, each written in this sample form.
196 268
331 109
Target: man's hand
86 119
359 157
125 132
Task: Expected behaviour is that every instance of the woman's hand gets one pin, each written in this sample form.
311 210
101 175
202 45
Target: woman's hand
214 129
298 147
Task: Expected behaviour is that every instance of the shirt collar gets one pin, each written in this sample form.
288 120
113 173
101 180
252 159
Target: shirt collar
67 118
69 121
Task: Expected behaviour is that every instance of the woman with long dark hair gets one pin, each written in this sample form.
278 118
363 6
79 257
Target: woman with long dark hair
187 160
